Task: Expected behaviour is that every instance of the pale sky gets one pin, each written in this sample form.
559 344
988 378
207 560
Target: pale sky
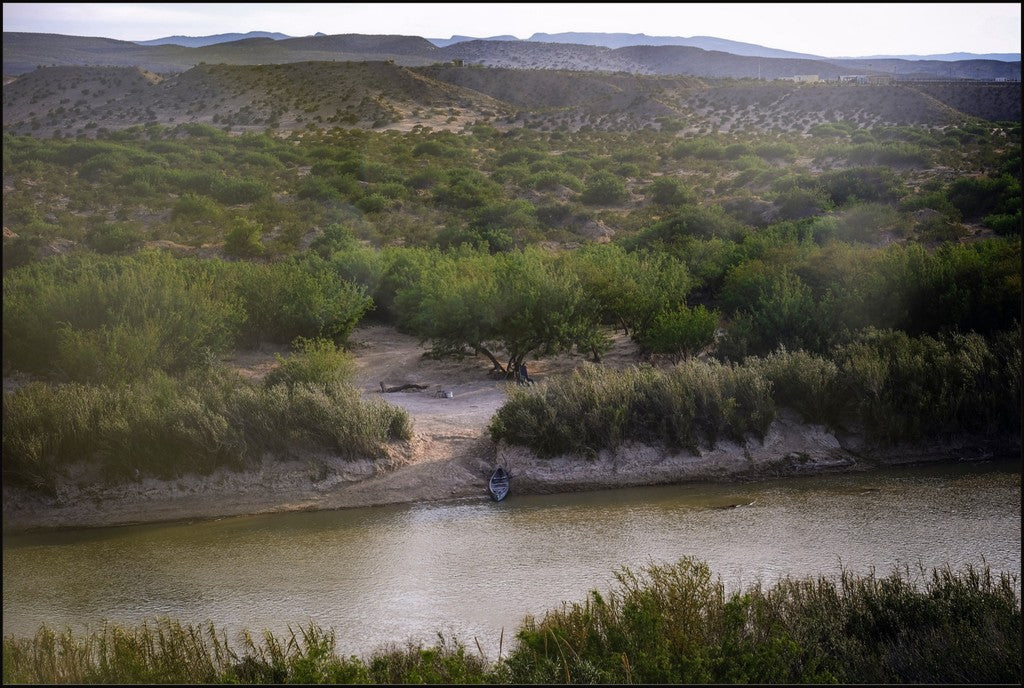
826 29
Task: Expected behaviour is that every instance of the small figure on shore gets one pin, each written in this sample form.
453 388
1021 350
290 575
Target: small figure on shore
522 377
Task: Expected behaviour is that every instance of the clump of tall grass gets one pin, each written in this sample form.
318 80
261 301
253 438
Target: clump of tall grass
804 382
695 402
167 427
906 388
164 651
675 624
894 387
667 623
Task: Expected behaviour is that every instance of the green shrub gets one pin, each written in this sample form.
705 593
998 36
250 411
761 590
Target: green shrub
864 184
89 317
465 188
1004 224
299 297
552 180
234 191
604 188
317 189
806 383
313 361
869 222
798 203
674 624
194 207
908 388
372 203
669 191
976 197
244 239
113 237
703 222
679 333
771 307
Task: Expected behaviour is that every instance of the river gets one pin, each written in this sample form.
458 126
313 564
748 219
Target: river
474 568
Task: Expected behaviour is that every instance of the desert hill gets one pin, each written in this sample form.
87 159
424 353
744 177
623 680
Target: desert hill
69 101
290 96
625 40
520 55
197 41
23 52
716 64
360 43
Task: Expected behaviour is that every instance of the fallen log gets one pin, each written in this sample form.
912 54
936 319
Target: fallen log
400 388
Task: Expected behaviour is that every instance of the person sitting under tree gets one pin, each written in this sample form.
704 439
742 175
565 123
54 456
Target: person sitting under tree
522 377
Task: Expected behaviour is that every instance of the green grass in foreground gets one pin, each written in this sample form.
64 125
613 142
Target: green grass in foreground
663 624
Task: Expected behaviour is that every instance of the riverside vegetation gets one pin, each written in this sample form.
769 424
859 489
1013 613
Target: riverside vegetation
671 624
867 278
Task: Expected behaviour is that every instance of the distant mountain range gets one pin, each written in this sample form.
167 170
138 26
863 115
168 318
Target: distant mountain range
625 40
609 40
945 57
445 42
702 57
200 41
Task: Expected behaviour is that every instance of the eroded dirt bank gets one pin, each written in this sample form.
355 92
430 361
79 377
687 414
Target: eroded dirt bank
450 454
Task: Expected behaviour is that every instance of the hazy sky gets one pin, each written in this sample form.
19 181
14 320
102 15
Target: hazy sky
828 29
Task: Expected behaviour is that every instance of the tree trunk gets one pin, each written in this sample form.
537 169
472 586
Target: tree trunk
494 360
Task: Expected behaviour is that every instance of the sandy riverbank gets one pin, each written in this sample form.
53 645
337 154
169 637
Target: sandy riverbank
449 456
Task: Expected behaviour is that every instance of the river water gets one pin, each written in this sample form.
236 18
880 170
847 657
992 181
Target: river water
474 568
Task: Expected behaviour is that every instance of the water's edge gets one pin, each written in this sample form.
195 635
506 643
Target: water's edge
316 483
475 567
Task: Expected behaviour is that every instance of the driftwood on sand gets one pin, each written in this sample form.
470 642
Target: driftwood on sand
400 388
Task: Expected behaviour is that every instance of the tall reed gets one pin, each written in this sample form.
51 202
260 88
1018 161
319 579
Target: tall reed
693 403
166 427
894 387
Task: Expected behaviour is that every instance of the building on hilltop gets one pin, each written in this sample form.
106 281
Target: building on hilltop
867 78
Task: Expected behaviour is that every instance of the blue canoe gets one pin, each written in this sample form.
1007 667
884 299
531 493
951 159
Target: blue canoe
498 485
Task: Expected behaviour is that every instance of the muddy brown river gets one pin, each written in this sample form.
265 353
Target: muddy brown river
474 568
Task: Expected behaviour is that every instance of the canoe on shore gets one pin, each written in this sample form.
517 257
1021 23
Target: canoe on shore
498 485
